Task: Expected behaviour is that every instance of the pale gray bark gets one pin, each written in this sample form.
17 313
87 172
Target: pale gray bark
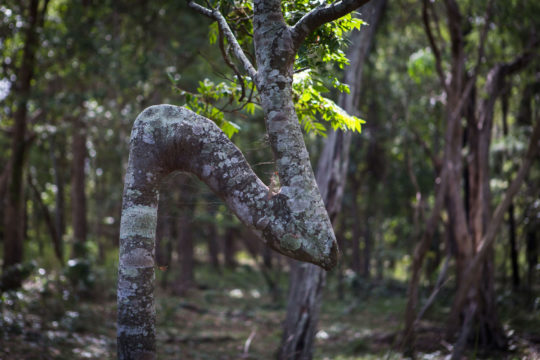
307 281
166 138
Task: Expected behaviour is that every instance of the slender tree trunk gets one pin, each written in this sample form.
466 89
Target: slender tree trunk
340 274
472 223
163 243
212 238
59 211
78 195
267 257
186 250
479 289
57 243
469 291
513 247
14 201
511 215
229 242
532 255
526 117
368 247
356 230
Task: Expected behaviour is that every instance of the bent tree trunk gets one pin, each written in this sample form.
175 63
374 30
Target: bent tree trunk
307 281
166 138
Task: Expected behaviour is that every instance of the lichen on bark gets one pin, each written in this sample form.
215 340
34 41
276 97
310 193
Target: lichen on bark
166 138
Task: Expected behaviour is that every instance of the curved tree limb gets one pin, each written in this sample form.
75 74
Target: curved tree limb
168 138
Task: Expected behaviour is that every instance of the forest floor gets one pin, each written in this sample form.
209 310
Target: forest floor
231 316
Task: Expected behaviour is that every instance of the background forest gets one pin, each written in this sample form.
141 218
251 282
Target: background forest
435 204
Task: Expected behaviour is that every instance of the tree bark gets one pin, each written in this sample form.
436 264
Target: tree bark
511 212
356 263
211 238
165 138
51 226
532 256
59 211
14 200
307 281
186 248
481 291
471 220
164 239
78 195
229 245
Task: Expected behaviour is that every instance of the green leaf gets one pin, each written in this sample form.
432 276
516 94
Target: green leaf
229 128
213 33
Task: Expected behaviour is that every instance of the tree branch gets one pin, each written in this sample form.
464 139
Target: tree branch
225 53
321 15
224 27
168 138
57 242
433 46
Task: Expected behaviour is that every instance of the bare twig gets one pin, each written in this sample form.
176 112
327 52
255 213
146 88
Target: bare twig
228 61
248 343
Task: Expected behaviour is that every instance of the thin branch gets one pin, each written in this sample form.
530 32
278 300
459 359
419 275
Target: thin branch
441 280
48 218
215 67
433 45
321 15
228 61
224 27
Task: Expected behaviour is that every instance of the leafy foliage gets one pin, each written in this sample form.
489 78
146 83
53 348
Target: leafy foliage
215 100
312 106
318 58
421 65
